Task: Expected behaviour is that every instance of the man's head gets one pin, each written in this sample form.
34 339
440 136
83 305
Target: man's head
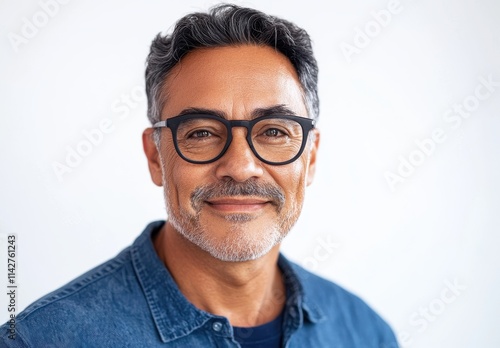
230 25
232 64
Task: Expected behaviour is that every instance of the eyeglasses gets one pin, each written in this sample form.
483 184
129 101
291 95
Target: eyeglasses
201 139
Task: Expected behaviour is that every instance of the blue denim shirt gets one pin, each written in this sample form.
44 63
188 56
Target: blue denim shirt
133 301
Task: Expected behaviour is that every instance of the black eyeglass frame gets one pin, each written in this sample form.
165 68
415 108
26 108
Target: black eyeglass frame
307 124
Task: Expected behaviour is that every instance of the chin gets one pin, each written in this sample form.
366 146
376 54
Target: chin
242 244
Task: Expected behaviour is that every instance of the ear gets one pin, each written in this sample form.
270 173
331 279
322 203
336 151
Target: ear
151 151
312 156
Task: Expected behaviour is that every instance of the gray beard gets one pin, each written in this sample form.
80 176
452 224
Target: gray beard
238 245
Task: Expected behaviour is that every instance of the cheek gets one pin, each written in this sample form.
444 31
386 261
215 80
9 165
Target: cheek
291 178
169 163
172 174
180 178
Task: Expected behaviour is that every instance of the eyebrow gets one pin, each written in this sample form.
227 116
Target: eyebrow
278 110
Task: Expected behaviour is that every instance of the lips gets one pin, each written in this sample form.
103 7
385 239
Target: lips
238 204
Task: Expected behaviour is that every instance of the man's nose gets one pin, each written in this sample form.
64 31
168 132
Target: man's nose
239 162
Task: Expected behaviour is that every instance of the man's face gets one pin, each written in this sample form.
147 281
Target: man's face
236 208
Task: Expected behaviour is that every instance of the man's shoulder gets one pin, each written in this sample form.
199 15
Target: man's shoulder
96 294
342 308
326 291
82 288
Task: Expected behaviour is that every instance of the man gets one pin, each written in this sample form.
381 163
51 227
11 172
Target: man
232 98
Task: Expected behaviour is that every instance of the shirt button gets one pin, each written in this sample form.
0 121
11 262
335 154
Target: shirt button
217 326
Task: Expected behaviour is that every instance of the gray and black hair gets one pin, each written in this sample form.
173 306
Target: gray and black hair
230 25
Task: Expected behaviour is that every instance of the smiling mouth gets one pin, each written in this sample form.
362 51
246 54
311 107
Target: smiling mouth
235 205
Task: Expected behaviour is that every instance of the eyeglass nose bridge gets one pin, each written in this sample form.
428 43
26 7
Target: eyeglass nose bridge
239 123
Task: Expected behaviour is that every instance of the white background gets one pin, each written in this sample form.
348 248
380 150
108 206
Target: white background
398 249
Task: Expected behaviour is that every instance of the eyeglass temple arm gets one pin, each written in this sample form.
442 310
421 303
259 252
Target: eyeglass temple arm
160 124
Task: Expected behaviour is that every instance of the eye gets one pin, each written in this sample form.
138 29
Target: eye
273 132
200 134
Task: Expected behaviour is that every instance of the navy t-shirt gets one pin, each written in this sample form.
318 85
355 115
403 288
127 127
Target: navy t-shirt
263 336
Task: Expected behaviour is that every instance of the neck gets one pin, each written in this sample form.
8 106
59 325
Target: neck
248 293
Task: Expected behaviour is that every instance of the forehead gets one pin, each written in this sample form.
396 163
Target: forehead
234 80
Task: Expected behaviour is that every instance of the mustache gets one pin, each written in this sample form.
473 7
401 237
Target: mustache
229 187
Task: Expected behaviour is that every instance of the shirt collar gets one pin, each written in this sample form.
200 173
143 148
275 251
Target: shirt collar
166 301
298 295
